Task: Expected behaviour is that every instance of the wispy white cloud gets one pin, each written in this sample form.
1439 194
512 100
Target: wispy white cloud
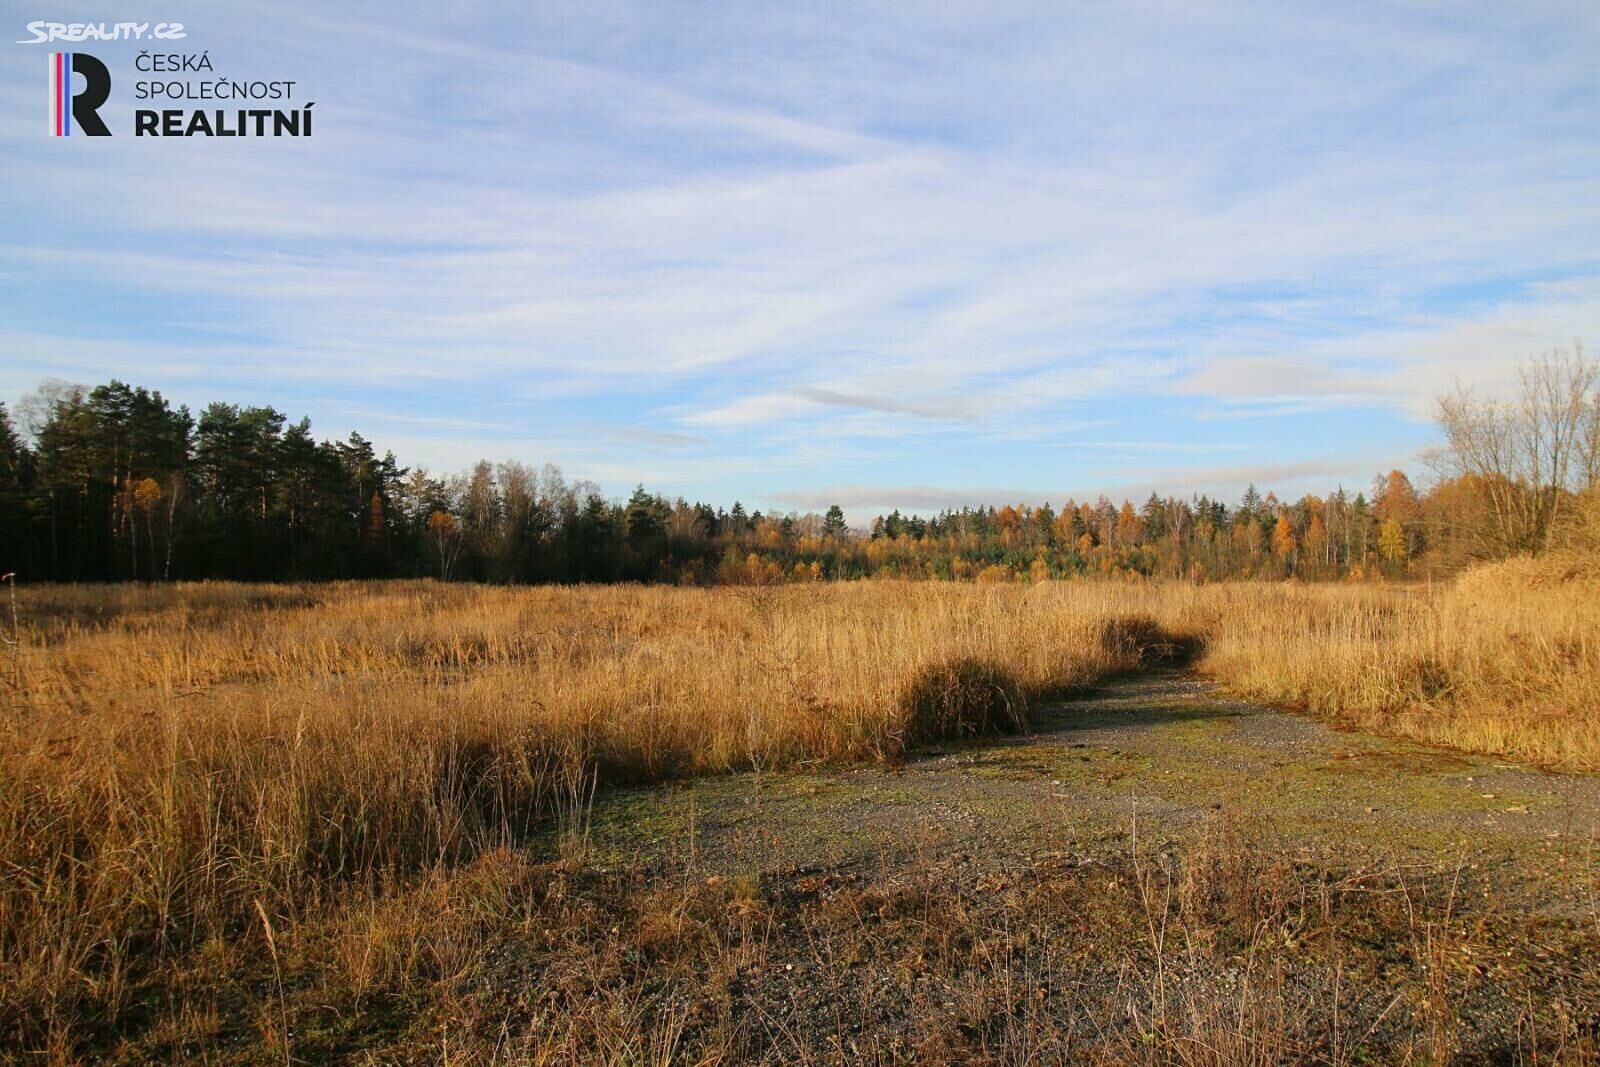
830 235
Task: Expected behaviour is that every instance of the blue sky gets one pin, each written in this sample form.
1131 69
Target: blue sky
907 256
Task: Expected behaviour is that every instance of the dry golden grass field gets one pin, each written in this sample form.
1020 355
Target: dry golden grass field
281 823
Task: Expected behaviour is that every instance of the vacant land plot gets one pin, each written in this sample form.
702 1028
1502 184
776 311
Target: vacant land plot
412 820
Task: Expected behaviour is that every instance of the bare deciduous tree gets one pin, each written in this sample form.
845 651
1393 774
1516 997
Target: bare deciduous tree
1525 457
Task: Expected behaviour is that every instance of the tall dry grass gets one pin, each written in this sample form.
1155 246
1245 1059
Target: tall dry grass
184 762
184 766
1506 660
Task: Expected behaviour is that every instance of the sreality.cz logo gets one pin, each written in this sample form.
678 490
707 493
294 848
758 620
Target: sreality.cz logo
80 89
102 31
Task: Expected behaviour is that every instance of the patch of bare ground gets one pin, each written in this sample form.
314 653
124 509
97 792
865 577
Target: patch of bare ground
1157 875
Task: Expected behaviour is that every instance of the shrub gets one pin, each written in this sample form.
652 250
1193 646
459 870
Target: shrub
965 697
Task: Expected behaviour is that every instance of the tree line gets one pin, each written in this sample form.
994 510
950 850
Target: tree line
114 483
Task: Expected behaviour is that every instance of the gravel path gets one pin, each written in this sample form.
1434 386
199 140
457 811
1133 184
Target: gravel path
1421 898
1160 751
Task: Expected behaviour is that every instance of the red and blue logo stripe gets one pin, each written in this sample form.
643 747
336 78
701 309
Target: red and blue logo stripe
61 94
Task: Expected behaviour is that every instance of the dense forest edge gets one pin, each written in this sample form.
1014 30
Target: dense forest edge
113 483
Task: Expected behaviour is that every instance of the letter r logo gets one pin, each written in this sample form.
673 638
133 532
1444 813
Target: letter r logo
67 107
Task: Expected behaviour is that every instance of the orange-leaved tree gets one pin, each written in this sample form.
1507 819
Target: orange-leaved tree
1284 544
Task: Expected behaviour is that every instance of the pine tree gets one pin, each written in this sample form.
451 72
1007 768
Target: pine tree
15 476
833 524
